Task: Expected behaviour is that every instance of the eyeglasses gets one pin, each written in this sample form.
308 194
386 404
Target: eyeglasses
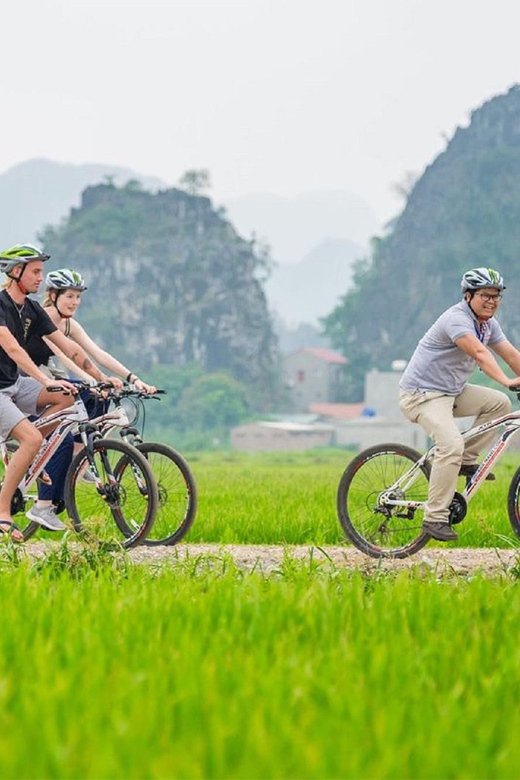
487 298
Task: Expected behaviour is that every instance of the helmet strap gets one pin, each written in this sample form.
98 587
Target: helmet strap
55 304
471 294
18 280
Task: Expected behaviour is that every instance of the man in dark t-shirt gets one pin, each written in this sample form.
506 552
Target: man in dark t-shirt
28 394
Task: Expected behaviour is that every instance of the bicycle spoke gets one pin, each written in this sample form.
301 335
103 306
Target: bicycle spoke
370 482
114 509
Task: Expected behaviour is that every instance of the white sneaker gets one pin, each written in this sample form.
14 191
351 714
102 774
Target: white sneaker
46 517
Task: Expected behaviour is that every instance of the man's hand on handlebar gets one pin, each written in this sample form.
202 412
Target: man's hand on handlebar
61 385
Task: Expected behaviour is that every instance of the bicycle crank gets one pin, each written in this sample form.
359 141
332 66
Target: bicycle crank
458 509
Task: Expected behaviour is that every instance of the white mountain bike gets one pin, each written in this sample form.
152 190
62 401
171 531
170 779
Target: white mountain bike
107 506
177 490
383 491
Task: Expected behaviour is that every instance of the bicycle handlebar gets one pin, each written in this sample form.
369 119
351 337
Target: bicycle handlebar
112 392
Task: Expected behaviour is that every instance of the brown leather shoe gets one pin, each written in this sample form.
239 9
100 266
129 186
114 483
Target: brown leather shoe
443 532
471 468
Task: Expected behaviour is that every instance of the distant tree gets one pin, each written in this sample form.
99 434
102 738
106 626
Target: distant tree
214 401
133 185
404 187
195 181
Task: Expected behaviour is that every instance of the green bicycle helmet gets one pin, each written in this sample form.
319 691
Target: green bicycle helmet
20 254
65 279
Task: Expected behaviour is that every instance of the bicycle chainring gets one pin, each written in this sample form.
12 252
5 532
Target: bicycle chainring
17 502
458 509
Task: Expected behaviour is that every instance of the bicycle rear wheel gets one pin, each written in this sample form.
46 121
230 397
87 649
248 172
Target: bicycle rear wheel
374 527
119 511
513 503
177 505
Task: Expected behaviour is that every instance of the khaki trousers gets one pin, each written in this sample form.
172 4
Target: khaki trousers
435 412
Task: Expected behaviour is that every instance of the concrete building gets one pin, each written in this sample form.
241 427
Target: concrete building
257 436
313 375
355 426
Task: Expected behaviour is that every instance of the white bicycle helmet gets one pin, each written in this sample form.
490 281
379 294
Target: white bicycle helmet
481 277
65 279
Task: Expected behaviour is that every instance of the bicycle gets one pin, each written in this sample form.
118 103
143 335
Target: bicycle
383 491
101 508
177 490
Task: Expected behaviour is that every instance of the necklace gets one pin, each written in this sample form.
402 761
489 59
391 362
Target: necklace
19 309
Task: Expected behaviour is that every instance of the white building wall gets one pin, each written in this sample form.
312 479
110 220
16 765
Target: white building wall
362 433
382 392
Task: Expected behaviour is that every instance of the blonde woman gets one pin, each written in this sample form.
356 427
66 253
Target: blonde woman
62 297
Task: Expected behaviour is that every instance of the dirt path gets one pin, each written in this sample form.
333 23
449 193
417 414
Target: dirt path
266 558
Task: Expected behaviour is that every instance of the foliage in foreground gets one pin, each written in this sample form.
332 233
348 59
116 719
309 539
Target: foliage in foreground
202 671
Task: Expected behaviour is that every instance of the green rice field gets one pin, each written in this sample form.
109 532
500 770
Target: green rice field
290 498
198 669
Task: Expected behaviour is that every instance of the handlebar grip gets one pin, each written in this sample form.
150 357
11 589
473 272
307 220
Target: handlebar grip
514 388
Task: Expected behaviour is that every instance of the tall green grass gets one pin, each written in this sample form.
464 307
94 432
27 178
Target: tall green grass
290 498
201 671
274 498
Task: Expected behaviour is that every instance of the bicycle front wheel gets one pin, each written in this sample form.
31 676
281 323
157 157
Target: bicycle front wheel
177 493
117 509
375 527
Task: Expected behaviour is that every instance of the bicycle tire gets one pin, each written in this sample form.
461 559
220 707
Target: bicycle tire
373 528
177 491
513 502
127 507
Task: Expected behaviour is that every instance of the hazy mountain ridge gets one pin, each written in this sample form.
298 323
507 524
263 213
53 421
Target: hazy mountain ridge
293 226
41 192
305 291
314 237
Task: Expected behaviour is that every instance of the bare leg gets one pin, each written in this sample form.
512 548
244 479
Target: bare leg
29 440
54 402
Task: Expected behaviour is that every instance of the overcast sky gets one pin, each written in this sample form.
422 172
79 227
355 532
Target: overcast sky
282 96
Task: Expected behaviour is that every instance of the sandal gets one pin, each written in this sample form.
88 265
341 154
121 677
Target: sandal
7 527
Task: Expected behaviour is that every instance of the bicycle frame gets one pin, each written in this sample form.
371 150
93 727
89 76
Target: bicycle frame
49 446
117 418
510 421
